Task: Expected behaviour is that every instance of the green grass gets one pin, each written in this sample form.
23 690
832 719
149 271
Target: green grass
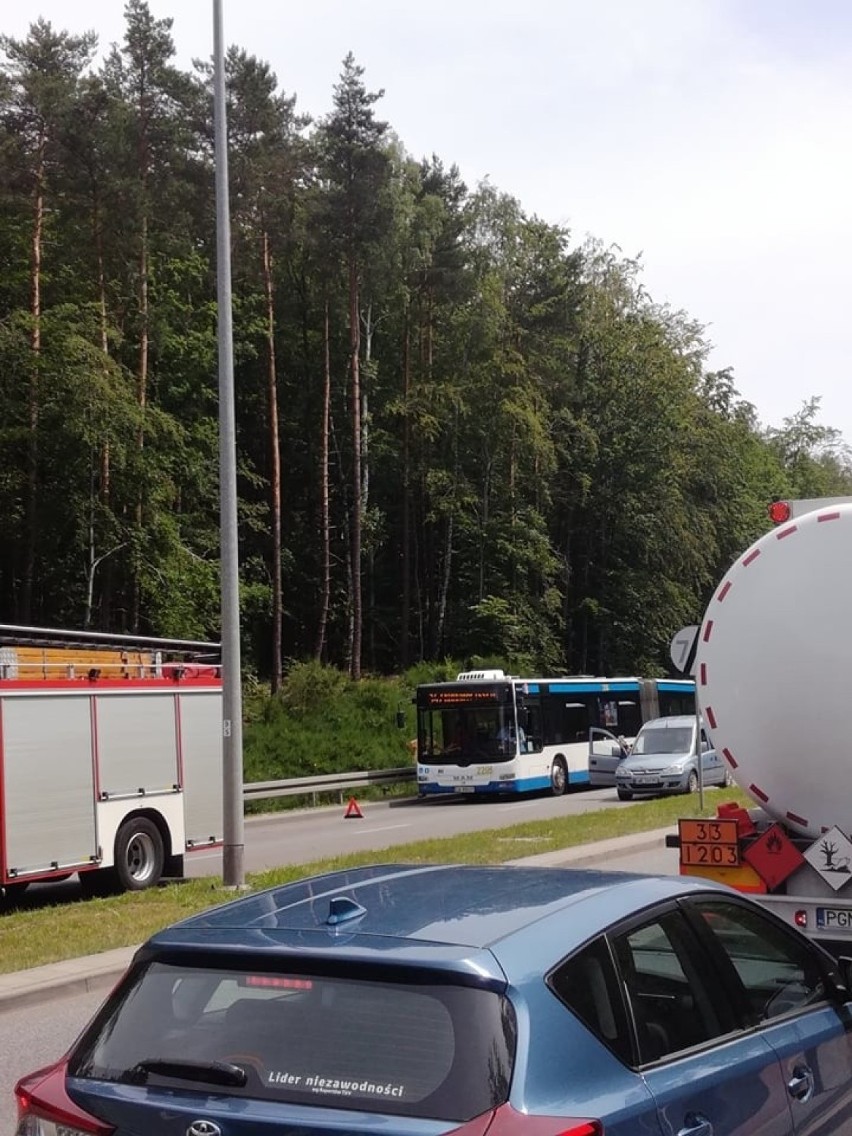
33 937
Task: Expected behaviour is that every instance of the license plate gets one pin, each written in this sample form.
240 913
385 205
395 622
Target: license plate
464 789
647 779
840 917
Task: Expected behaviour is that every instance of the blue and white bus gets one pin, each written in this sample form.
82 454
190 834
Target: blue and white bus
489 732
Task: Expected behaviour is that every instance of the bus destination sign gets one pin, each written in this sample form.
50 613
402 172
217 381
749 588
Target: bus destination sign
461 696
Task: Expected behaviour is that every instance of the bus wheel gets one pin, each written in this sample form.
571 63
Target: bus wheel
139 854
558 777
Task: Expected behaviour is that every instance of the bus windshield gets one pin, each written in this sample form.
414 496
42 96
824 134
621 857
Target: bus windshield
463 735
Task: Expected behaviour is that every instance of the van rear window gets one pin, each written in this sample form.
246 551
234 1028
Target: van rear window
438 1051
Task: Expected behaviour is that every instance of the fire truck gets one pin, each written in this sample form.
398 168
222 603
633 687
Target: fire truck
110 757
773 665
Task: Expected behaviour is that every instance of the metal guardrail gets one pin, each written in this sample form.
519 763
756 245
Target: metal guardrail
327 783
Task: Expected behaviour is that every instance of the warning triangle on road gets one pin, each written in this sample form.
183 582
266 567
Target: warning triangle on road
352 810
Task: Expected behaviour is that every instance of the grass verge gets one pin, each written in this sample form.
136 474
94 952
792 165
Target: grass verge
50 934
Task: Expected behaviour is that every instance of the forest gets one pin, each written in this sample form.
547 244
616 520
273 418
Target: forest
461 433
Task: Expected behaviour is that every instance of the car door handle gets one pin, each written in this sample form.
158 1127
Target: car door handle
695 1125
801 1084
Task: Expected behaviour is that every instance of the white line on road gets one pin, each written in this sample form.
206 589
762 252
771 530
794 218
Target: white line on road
384 828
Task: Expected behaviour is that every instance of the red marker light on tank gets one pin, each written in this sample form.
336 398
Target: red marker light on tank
779 512
801 918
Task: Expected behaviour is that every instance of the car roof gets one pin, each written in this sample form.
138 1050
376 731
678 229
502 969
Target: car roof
479 919
671 722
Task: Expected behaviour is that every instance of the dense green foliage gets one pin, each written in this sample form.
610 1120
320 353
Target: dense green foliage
459 432
324 722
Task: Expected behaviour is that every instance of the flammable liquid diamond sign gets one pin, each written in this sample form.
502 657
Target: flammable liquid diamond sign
831 855
774 856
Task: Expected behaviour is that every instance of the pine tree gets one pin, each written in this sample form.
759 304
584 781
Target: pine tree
356 168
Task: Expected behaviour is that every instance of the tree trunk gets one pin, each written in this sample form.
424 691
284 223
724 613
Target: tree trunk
275 467
365 479
406 503
355 394
445 589
102 490
102 310
34 394
325 527
142 399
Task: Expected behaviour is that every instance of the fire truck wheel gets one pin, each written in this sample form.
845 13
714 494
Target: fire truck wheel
139 854
12 891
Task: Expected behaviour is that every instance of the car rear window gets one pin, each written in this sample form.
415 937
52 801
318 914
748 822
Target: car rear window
441 1051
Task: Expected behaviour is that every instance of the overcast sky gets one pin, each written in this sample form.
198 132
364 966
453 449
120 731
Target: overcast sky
711 136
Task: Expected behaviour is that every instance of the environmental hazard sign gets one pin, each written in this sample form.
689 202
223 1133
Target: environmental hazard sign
831 856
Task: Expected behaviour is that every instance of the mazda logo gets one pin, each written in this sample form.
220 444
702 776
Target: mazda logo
203 1128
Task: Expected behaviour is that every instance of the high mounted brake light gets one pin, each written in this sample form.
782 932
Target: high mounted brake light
277 981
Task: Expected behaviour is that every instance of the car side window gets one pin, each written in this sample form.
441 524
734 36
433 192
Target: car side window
778 972
588 985
664 973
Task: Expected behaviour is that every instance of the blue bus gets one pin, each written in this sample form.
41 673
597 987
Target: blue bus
489 733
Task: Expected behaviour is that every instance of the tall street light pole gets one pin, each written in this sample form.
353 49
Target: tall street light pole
232 711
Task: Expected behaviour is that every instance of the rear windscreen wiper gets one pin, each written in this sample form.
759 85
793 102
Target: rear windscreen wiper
208 1072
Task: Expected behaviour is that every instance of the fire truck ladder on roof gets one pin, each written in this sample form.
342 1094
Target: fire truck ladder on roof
43 653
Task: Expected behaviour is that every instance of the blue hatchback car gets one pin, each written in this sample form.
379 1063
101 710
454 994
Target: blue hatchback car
423 1000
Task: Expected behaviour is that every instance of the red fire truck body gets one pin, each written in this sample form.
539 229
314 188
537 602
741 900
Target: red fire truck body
110 757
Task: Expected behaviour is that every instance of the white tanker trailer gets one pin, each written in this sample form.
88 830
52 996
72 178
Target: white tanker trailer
773 669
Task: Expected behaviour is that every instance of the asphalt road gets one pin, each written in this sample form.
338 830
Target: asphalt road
317 834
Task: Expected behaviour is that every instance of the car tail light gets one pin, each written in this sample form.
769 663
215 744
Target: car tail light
45 1109
507 1121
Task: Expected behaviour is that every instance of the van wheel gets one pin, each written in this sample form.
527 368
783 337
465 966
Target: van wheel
692 782
139 854
558 777
624 795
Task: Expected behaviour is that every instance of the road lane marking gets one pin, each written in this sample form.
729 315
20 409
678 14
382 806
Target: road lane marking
385 828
